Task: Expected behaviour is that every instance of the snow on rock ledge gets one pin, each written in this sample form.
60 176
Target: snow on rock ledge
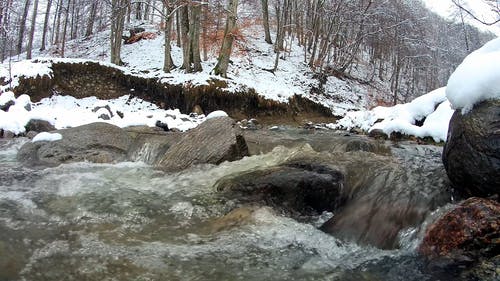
433 107
477 78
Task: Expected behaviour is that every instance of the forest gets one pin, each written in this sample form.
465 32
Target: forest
400 43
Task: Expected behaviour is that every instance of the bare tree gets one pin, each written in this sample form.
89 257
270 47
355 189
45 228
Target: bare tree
265 21
227 42
46 24
118 12
22 27
32 30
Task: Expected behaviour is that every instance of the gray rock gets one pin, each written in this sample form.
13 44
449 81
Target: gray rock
39 126
96 142
214 141
378 134
471 154
7 134
7 105
301 188
150 143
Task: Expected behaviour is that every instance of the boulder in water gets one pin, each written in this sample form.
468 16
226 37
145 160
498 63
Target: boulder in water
95 142
466 240
471 155
472 229
301 188
212 142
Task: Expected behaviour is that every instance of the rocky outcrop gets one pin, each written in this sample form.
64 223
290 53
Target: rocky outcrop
212 142
373 197
96 142
467 237
471 155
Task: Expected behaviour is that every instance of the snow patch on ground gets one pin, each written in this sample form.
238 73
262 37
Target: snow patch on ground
67 111
477 78
217 113
45 136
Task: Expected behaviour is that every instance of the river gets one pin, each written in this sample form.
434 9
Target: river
128 221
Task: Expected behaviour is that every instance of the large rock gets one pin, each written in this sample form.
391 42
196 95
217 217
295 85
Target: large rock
96 142
214 141
471 155
466 240
37 125
471 229
295 188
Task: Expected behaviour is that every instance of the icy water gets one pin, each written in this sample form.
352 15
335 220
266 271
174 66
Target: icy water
130 222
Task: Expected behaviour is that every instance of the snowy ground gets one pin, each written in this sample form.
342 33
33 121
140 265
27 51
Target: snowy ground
66 111
247 70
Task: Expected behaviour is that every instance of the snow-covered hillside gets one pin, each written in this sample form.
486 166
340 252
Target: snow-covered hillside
481 9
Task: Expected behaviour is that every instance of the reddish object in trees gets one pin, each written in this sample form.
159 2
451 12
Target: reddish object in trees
146 35
472 229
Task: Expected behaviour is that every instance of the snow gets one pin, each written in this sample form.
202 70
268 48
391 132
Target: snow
477 78
45 136
217 113
6 97
402 117
67 111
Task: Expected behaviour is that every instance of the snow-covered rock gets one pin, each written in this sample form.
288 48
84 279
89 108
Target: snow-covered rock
217 113
477 78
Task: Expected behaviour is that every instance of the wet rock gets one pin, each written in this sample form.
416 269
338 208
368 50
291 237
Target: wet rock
466 240
472 229
96 142
39 126
150 143
360 145
377 134
7 105
236 218
297 188
106 110
163 126
212 142
6 134
31 134
471 154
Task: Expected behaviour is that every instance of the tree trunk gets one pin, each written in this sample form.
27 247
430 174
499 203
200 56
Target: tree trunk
57 23
227 43
32 30
195 37
204 31
186 40
118 11
265 21
22 27
46 24
66 20
167 61
90 22
178 28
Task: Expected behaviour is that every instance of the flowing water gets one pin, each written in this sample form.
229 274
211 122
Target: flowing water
128 221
